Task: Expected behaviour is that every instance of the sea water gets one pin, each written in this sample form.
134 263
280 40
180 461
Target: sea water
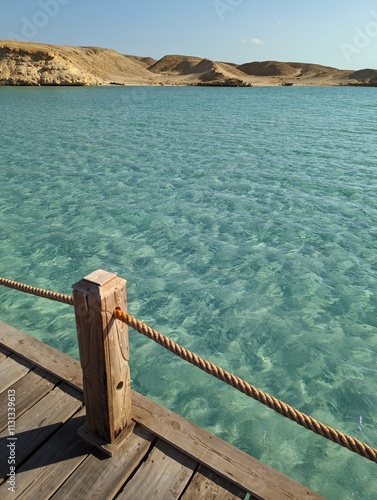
245 223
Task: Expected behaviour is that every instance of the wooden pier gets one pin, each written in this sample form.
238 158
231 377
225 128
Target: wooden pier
54 451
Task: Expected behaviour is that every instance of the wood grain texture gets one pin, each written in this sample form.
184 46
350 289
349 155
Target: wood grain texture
164 475
29 390
12 369
234 465
99 277
3 354
42 355
104 353
38 423
100 478
238 467
43 473
207 485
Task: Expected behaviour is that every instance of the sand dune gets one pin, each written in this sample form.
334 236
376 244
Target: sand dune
268 68
26 63
175 65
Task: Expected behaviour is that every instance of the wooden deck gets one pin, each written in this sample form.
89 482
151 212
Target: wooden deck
165 457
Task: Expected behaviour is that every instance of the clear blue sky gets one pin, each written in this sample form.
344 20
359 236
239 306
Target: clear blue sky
340 33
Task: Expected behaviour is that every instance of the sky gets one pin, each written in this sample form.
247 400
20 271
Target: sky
338 33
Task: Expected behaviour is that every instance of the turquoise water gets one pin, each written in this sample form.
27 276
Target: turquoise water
245 223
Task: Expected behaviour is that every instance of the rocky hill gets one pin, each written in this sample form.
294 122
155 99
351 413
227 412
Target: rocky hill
26 63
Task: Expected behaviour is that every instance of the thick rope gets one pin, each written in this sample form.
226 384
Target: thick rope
275 404
58 297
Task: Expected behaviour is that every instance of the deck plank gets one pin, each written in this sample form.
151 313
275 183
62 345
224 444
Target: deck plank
105 476
164 475
38 423
210 486
43 473
12 369
232 464
29 390
3 354
236 466
42 355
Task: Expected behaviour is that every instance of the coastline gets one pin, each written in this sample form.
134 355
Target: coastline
36 64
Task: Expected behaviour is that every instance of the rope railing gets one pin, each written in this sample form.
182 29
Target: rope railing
275 404
246 388
40 292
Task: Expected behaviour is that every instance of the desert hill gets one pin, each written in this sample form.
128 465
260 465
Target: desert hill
27 63
175 64
195 70
24 63
365 75
269 68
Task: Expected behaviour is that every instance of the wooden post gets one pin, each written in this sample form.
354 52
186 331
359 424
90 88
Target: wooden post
104 354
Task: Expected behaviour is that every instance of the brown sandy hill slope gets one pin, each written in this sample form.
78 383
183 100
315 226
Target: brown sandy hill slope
35 64
24 63
145 61
175 64
286 69
268 68
107 64
210 71
307 74
364 76
194 70
27 63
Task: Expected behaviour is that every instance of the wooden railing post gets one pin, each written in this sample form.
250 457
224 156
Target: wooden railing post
104 354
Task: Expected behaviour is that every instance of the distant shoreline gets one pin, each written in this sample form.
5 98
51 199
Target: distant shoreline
36 64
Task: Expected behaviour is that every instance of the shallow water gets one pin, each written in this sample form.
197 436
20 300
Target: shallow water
244 221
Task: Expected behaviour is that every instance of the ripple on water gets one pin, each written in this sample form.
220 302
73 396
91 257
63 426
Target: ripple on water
244 221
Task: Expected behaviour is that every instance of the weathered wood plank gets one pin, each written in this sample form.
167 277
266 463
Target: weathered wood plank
41 355
104 353
242 469
46 470
164 475
38 423
238 467
105 477
29 390
206 484
3 354
12 369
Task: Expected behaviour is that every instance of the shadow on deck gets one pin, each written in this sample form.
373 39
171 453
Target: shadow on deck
165 457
